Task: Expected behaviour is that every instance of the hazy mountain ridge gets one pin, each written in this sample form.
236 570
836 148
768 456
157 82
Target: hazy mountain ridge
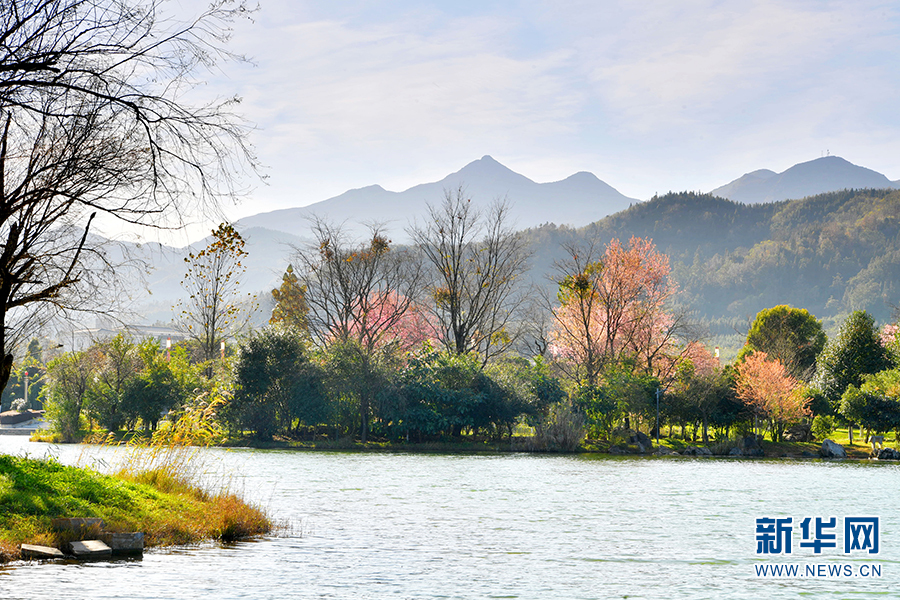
576 200
826 174
718 247
829 253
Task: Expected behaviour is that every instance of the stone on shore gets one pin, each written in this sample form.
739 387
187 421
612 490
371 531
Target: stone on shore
832 449
79 526
696 451
887 454
125 543
40 552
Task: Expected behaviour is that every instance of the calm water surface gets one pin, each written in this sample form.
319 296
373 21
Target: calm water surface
510 526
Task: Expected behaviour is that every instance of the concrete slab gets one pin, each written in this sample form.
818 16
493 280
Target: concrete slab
90 549
40 552
125 543
79 526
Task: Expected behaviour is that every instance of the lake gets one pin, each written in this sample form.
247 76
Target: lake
380 525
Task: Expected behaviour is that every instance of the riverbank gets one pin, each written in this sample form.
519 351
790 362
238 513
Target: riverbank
166 508
857 450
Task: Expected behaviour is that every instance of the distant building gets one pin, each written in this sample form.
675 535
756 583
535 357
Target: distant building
82 339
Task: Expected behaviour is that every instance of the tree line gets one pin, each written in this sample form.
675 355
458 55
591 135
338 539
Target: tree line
444 339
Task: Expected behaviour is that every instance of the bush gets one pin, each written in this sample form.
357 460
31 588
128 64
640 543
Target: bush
822 426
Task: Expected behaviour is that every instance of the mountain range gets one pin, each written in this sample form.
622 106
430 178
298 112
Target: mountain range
576 201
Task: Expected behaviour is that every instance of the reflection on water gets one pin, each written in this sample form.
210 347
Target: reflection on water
369 525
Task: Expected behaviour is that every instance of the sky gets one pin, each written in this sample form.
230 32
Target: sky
649 96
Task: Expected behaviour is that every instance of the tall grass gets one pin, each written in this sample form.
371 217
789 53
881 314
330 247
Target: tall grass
173 461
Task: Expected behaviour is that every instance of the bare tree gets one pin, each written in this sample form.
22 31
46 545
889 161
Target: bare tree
92 120
213 309
477 262
357 293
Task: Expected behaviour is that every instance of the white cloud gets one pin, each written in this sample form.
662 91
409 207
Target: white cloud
650 96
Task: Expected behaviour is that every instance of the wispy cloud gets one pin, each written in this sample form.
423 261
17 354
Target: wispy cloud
651 96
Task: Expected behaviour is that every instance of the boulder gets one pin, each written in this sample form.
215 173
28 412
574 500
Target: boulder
887 454
695 451
641 440
801 432
832 449
735 452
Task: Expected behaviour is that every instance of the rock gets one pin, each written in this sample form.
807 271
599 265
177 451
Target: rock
735 452
801 432
832 449
124 543
641 440
695 451
887 454
751 442
664 451
87 549
40 552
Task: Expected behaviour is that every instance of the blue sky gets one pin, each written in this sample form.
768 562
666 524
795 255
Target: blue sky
650 96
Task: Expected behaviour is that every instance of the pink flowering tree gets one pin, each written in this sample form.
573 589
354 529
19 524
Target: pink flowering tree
612 309
765 386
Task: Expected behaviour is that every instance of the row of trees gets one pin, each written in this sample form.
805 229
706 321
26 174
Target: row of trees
419 342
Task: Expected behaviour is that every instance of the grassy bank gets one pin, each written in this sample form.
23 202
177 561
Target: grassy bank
168 509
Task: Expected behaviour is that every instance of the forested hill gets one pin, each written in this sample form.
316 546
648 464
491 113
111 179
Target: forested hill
829 253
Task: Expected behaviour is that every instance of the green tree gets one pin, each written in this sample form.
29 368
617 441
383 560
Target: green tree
276 385
117 364
791 335
213 310
71 376
874 405
154 390
846 359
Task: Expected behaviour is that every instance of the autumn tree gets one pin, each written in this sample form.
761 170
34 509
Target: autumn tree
612 309
212 311
766 387
358 295
94 121
290 309
476 262
791 335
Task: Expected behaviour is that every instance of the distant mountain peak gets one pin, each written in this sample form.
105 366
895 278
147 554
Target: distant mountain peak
817 176
577 200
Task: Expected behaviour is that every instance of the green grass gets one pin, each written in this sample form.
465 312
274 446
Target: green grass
167 509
